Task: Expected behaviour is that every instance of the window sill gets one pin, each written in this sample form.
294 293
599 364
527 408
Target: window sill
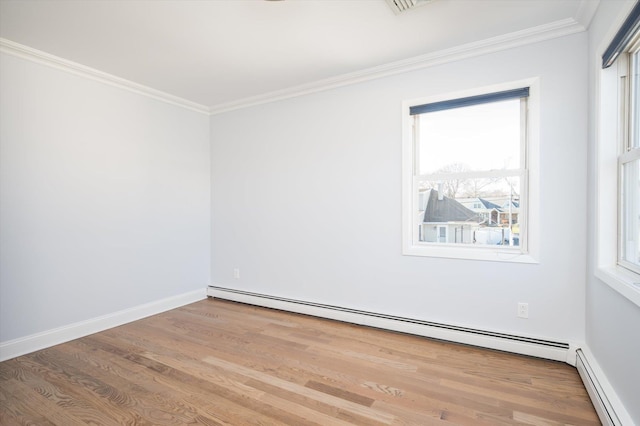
621 280
483 254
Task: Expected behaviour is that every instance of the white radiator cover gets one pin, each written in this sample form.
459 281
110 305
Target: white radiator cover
608 405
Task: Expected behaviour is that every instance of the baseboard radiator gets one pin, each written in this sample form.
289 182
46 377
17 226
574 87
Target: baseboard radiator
542 348
601 403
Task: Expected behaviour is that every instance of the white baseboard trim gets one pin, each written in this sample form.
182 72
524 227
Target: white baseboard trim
558 351
34 342
603 396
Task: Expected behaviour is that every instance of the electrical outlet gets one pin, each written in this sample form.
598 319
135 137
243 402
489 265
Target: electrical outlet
523 310
236 273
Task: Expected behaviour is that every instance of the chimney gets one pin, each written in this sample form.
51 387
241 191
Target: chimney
440 195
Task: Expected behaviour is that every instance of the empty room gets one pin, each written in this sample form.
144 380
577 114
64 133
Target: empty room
320 212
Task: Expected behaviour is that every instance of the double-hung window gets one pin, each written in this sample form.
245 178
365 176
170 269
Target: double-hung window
618 154
466 175
629 167
624 54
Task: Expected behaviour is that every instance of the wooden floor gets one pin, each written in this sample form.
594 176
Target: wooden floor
223 363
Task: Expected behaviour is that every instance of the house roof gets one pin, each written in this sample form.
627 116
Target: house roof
488 204
447 210
514 204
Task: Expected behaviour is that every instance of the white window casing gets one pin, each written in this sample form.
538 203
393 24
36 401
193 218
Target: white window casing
614 135
527 173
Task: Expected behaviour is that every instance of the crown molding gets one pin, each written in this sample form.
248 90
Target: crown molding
38 56
532 35
586 12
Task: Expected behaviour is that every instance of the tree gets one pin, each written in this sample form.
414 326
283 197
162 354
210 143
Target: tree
457 187
450 187
474 187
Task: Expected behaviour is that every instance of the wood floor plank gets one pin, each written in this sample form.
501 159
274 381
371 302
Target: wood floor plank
212 393
569 409
119 390
226 395
79 388
343 404
46 406
159 385
64 396
224 363
16 410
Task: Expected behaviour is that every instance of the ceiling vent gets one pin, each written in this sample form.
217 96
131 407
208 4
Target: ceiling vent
399 6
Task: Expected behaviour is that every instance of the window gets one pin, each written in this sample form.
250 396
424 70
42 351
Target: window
629 161
466 175
618 161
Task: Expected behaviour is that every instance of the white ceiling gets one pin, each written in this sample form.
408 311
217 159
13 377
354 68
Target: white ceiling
218 52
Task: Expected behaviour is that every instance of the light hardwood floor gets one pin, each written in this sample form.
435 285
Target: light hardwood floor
222 363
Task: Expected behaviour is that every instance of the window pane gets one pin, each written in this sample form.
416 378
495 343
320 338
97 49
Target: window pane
634 141
476 138
631 212
488 216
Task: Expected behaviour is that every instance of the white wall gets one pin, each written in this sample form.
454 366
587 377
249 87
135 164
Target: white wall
307 200
612 320
104 199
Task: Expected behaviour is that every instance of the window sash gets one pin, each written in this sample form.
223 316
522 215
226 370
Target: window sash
629 247
628 200
524 107
522 214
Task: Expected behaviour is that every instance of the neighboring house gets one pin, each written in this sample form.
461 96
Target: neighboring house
467 221
490 212
445 220
494 210
514 211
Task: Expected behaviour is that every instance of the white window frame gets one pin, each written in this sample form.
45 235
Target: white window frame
612 137
627 135
526 253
